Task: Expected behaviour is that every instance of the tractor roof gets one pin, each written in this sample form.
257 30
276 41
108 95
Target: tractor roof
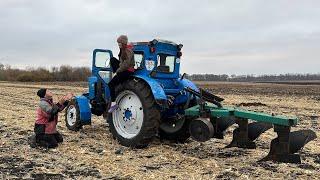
158 40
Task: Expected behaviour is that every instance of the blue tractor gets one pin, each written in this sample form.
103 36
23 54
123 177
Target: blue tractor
156 100
151 103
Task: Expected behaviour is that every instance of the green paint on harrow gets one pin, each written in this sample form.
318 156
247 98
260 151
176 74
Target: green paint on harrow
243 114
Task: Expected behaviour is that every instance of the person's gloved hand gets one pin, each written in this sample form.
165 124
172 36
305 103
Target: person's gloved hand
68 96
62 100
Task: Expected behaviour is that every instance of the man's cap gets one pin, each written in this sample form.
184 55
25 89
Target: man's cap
41 92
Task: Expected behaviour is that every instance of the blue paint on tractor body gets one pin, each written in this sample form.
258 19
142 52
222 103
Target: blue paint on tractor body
84 108
92 80
157 90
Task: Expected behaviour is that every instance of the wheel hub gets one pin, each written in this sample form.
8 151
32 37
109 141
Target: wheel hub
127 114
71 115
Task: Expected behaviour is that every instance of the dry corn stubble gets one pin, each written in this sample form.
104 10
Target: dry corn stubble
92 152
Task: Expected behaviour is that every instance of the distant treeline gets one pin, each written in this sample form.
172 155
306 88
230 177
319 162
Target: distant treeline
62 73
68 73
254 78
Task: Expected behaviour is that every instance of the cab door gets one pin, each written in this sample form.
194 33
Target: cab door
101 64
102 72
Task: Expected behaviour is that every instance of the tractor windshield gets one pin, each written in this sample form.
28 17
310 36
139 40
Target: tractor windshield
166 63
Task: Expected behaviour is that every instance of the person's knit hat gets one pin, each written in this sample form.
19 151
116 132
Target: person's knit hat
123 39
41 92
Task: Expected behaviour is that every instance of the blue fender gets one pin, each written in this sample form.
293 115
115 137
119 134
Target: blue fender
187 83
157 90
84 108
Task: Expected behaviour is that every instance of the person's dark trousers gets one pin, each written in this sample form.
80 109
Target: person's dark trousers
58 137
47 140
118 79
114 62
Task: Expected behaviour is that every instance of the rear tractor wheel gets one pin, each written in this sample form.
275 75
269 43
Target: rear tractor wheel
136 120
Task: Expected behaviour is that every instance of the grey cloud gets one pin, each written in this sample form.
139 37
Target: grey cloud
241 37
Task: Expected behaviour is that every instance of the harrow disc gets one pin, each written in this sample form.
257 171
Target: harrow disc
283 149
221 124
300 138
255 129
201 129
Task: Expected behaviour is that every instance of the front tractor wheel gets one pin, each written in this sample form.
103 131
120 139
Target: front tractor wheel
136 120
72 116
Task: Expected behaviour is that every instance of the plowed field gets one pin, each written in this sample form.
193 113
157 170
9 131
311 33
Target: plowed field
92 153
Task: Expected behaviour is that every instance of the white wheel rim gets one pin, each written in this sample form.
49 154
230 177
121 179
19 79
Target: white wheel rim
71 115
128 117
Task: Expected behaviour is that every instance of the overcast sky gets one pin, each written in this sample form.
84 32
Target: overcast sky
219 36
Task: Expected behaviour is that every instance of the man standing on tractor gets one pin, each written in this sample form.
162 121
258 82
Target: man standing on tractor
123 68
47 118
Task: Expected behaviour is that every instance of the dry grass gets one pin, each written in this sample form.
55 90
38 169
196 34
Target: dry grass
92 153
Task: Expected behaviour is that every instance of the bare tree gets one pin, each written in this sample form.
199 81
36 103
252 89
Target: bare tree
1 67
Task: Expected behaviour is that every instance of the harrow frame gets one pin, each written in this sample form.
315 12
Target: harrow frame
280 147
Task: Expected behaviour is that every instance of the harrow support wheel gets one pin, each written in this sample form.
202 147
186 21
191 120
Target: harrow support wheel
179 133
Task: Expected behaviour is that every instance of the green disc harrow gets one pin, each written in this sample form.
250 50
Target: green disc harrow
210 120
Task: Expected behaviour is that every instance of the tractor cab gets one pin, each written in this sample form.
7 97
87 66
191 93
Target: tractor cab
160 59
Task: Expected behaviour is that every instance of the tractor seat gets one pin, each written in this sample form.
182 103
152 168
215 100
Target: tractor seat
163 68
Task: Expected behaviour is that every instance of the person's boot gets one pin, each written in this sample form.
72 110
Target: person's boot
32 141
113 107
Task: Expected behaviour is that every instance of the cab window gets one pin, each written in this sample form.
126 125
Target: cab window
102 59
166 63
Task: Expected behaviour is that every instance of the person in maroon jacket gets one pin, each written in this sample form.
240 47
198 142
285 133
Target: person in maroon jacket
47 118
